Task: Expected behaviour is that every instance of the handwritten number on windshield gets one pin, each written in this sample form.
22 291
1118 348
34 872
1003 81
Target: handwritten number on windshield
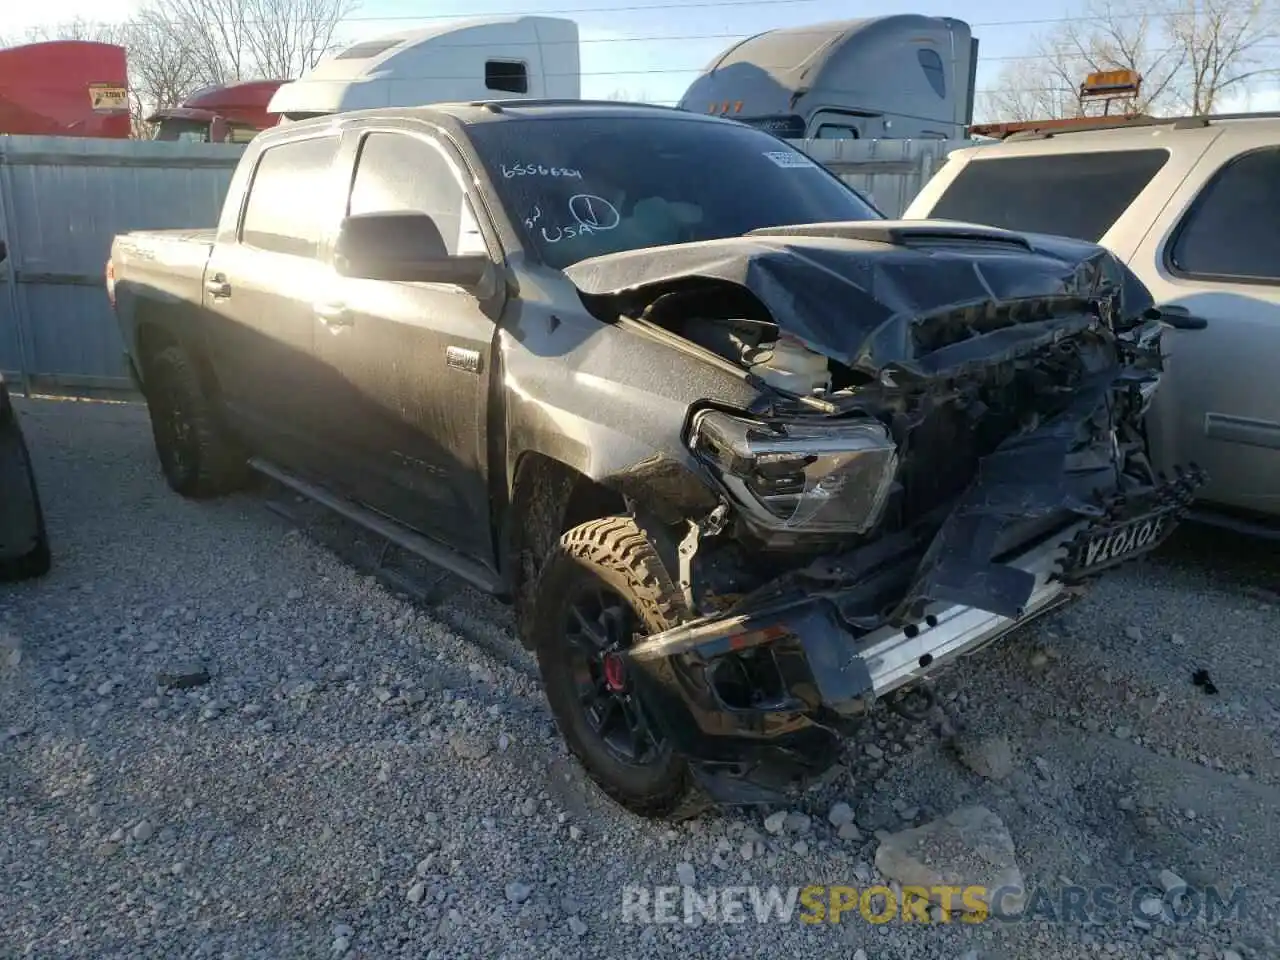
538 170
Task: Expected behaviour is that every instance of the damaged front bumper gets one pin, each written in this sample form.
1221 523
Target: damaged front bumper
760 699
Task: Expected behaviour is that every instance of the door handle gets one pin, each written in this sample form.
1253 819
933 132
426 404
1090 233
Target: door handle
334 315
217 287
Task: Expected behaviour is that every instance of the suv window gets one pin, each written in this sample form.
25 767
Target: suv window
1076 195
396 173
282 214
1233 228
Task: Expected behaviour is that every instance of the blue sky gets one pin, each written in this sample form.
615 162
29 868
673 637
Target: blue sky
654 54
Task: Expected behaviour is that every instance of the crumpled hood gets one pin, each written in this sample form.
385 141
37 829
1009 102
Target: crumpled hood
860 292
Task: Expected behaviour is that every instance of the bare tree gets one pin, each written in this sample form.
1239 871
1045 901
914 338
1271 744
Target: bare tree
77 29
1106 35
1188 52
290 36
1224 42
215 32
254 39
163 67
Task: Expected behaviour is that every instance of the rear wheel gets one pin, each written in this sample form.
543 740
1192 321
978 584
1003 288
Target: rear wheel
36 561
601 590
199 459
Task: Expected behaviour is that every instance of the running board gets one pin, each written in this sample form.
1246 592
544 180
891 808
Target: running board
478 575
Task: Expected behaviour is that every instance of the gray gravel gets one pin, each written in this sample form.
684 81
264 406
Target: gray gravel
361 774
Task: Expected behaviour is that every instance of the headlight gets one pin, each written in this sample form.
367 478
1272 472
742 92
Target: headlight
832 477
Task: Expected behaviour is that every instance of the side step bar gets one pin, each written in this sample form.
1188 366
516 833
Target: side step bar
478 575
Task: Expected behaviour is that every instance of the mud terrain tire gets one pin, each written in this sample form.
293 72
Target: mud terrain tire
615 556
199 459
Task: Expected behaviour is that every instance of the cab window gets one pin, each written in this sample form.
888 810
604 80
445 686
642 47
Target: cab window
398 173
282 214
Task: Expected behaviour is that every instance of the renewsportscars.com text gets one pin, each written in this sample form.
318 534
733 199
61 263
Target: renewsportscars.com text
878 904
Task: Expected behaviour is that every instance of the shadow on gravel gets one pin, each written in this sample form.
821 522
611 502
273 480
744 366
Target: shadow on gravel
479 618
1227 558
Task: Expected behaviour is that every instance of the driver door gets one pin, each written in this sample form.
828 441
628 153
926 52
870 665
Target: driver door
408 363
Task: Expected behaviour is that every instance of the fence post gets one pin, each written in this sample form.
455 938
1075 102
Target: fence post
9 232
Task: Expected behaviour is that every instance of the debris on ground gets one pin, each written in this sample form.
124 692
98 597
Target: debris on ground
182 676
1201 679
967 848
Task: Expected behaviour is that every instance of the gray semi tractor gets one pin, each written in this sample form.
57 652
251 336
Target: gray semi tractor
901 76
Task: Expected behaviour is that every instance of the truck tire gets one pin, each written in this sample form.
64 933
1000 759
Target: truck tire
36 561
199 459
602 586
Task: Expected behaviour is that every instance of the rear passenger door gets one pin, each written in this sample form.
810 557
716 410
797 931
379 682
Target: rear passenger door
409 362
1215 251
259 291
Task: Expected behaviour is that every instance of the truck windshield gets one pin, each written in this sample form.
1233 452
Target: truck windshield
583 186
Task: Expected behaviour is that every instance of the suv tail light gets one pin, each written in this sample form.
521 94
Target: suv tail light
111 283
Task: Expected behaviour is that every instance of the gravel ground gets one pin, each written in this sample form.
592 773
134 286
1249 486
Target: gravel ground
371 775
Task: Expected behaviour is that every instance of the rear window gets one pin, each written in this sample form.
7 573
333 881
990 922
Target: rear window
1077 195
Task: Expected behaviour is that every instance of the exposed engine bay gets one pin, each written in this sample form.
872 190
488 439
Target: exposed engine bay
949 426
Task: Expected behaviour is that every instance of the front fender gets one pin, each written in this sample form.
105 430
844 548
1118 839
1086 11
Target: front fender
611 404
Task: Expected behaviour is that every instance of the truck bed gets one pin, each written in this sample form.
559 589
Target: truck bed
158 270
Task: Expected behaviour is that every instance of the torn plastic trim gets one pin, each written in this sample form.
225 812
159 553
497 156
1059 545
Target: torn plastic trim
716 636
820 677
1062 558
763 693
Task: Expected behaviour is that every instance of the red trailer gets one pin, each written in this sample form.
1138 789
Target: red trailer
65 88
235 112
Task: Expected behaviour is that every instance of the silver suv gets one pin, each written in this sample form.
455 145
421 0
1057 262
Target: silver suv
1193 207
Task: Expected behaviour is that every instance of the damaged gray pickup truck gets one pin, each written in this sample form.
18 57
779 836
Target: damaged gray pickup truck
744 455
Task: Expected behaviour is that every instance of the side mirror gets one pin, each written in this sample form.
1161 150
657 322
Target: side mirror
402 247
1179 317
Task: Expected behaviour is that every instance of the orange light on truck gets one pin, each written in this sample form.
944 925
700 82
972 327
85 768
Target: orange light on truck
1111 81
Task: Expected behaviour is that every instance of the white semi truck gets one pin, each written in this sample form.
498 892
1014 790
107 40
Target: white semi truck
496 58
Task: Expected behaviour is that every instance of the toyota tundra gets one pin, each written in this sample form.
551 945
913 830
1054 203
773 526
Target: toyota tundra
744 455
